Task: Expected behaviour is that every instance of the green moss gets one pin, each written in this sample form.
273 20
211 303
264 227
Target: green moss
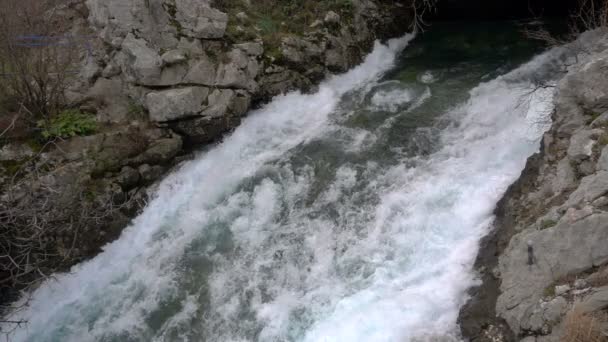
546 224
603 139
67 124
549 291
135 109
11 167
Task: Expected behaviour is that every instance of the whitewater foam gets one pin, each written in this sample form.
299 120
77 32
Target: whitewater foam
284 233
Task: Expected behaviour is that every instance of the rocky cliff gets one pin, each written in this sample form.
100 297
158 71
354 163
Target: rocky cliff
544 268
163 77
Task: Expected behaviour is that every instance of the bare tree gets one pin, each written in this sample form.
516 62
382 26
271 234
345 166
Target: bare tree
589 15
36 59
421 8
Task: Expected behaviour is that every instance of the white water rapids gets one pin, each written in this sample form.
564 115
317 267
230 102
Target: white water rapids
301 227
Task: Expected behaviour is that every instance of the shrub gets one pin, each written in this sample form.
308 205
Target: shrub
68 123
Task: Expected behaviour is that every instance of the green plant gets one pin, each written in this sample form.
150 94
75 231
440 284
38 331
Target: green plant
546 224
68 123
603 139
549 291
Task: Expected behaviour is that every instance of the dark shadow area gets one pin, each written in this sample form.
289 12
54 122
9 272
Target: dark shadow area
452 10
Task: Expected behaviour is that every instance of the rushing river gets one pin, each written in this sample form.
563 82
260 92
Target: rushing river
351 214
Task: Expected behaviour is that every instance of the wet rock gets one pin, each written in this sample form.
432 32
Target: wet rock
174 104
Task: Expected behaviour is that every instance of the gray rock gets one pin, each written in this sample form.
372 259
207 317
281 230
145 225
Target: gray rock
239 72
109 98
580 284
127 178
110 70
562 289
572 215
201 71
316 23
160 151
601 121
568 248
554 310
332 17
192 47
199 20
174 104
602 163
586 168
581 145
150 173
143 64
173 57
15 152
242 16
598 300
565 177
251 48
591 188
226 101
297 50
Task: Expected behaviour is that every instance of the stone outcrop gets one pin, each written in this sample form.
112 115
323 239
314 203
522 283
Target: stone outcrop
552 225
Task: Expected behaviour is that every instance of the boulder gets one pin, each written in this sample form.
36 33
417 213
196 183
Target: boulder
222 102
239 71
143 63
591 188
581 144
201 71
199 20
160 151
176 103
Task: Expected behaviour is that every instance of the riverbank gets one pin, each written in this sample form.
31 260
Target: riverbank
543 268
159 83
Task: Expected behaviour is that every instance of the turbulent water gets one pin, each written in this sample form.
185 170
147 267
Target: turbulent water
352 214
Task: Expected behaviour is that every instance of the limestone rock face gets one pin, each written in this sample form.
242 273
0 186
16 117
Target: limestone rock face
176 103
557 212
